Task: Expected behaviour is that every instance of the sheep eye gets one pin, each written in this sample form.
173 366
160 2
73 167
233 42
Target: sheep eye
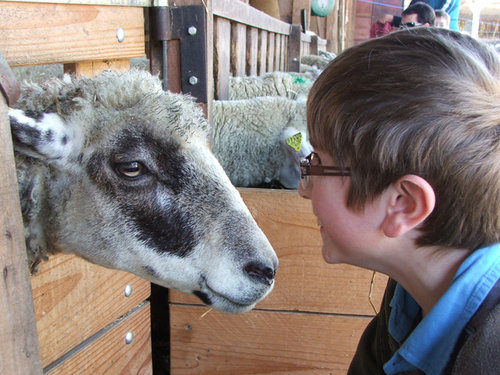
131 169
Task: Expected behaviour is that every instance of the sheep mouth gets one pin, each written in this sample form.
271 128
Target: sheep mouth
220 301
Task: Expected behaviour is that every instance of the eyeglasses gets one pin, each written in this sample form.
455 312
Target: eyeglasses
311 166
410 24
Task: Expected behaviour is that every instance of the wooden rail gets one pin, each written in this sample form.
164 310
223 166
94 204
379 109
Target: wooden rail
40 33
241 13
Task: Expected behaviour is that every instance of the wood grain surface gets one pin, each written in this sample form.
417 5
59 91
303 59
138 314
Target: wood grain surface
39 33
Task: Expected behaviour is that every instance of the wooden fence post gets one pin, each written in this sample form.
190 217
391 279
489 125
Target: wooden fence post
19 351
293 53
314 49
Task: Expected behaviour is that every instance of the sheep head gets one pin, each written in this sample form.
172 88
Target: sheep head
119 172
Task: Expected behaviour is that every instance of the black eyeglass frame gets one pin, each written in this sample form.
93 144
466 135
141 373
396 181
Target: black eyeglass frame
307 169
409 25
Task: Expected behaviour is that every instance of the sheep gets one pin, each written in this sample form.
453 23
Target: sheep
38 73
250 140
313 65
288 85
119 172
261 115
315 60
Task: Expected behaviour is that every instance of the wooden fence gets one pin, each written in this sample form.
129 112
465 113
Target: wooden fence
84 313
248 42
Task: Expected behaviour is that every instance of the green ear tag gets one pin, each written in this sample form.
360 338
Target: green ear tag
295 141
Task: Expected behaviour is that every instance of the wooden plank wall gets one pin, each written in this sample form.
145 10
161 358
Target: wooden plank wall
76 303
311 322
82 313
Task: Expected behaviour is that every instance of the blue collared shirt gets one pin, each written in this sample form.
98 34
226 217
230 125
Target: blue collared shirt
430 345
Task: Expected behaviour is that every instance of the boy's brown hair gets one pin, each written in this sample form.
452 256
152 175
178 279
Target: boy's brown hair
424 101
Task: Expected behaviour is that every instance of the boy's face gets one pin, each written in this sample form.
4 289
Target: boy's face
410 18
348 236
442 22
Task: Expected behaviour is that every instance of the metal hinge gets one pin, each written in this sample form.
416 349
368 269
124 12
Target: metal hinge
187 25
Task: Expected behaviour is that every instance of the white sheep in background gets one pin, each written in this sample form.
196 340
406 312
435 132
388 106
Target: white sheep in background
249 139
313 65
38 73
251 129
288 85
118 171
41 73
318 61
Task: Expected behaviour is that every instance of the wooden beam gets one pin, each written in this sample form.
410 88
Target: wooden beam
293 54
262 52
331 29
252 51
240 12
222 42
271 50
277 53
341 26
19 352
238 49
37 33
314 47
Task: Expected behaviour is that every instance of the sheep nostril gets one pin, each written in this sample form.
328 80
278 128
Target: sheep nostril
260 272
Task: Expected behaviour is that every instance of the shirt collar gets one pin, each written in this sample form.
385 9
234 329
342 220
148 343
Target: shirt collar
429 346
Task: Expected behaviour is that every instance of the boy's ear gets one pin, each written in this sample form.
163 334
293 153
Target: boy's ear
411 200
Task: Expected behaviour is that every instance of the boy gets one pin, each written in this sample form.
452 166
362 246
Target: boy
405 180
442 19
418 14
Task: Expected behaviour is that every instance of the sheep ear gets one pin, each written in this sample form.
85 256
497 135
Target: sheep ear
297 142
296 147
44 137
